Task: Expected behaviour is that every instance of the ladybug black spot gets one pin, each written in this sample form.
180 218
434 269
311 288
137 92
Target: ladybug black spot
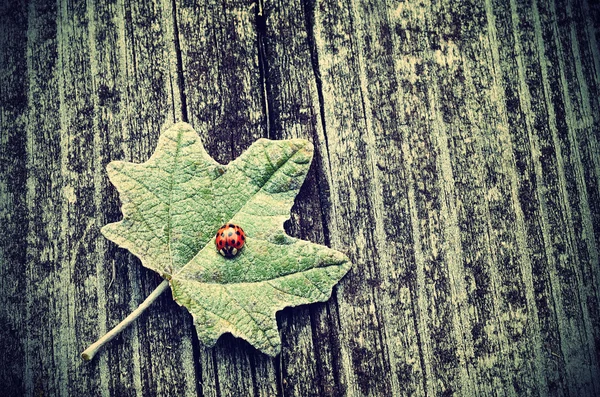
243 237
231 225
237 232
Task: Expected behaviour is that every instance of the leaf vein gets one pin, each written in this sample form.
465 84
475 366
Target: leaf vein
171 183
268 282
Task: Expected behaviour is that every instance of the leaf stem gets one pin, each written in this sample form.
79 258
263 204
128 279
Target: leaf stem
91 351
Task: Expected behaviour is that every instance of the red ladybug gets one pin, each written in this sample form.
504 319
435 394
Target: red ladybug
229 240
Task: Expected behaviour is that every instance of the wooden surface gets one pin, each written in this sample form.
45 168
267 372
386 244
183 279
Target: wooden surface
457 164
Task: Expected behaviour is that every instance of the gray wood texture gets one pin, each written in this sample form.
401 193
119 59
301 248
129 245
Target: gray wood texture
457 164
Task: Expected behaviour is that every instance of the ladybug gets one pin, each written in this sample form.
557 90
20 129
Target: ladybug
229 240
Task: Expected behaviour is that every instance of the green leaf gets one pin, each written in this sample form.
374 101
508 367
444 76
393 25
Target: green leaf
174 203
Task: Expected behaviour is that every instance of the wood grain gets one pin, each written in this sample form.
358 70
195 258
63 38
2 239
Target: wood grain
456 162
13 211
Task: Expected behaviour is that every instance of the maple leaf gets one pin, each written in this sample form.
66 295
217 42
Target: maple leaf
174 203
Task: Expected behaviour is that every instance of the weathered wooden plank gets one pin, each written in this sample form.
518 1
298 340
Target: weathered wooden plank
518 102
42 345
434 93
13 177
221 74
423 124
108 73
310 357
577 140
388 103
461 86
358 210
224 91
497 265
145 97
556 223
523 338
524 79
68 101
133 71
